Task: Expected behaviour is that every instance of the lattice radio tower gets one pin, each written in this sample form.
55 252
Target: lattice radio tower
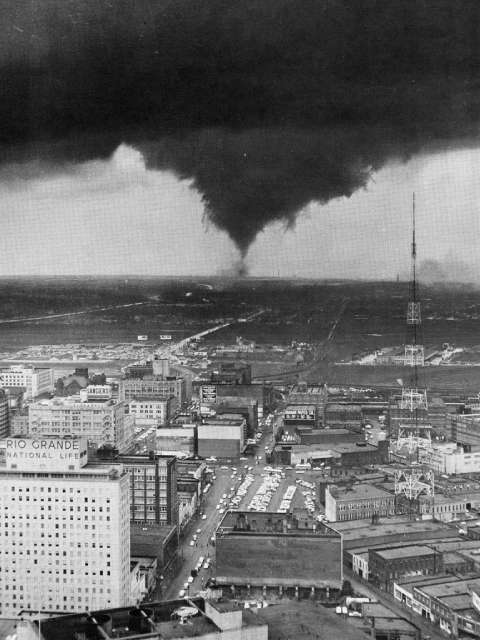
412 434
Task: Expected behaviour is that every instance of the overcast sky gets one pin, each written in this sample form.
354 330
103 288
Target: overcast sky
117 217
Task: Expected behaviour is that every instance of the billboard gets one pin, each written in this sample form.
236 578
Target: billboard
54 454
208 394
278 559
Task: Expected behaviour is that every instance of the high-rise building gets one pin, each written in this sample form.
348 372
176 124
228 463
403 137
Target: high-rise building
153 488
101 422
65 531
35 381
4 415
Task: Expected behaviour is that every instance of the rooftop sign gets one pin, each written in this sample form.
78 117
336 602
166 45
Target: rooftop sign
46 454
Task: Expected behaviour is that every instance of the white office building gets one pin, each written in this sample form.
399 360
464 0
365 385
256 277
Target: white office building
35 381
65 528
101 422
148 412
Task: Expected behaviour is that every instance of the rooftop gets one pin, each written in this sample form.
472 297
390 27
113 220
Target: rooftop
458 602
404 552
455 588
394 526
167 620
272 523
306 620
359 492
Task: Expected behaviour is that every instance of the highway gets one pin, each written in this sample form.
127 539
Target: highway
75 313
320 351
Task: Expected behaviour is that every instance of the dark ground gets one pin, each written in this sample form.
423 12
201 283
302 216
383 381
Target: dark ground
297 310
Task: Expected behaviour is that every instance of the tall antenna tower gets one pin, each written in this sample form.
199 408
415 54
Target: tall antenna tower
413 397
413 435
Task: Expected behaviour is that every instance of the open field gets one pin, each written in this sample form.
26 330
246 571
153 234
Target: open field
374 317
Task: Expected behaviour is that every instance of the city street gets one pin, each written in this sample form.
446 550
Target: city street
203 547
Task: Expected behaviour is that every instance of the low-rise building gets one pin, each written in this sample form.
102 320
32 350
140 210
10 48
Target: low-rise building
357 502
385 566
154 387
175 440
222 437
451 458
447 601
148 412
171 619
273 550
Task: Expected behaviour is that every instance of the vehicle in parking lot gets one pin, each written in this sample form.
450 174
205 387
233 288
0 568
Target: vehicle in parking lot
204 517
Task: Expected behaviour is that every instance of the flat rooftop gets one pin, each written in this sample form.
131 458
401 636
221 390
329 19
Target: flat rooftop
162 619
404 552
445 589
359 492
306 620
395 526
353 447
271 523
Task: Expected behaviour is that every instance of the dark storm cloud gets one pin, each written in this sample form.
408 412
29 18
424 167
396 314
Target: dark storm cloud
252 177
264 105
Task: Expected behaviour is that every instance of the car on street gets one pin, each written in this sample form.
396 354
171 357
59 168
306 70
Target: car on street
204 517
189 579
192 543
181 593
199 531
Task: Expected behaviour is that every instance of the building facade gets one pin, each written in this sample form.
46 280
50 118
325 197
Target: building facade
465 430
357 502
35 381
386 566
153 488
155 388
148 412
221 437
65 534
99 422
4 415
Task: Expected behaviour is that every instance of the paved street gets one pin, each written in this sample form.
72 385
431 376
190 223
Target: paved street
203 547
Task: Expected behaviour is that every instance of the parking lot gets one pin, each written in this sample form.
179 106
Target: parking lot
269 489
